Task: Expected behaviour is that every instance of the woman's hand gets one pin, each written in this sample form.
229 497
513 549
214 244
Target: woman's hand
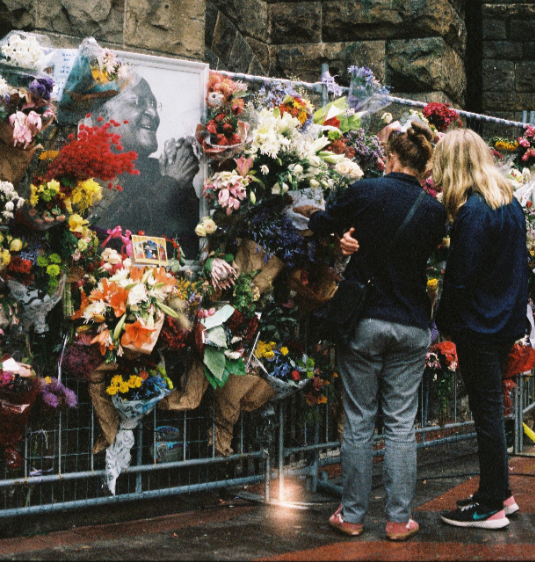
305 210
348 244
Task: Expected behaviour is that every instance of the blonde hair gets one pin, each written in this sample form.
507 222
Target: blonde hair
463 162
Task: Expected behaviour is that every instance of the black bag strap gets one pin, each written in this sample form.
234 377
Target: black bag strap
402 226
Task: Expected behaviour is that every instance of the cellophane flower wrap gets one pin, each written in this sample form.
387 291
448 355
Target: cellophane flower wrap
127 308
366 93
135 389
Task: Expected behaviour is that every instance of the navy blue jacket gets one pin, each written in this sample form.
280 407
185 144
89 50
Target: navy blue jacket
376 208
485 291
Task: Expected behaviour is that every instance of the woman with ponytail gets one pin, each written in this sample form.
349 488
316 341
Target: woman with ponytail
483 306
386 355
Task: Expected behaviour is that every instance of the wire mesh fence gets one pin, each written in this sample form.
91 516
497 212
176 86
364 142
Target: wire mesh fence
173 452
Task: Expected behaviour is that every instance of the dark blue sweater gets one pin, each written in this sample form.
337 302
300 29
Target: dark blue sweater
376 208
485 290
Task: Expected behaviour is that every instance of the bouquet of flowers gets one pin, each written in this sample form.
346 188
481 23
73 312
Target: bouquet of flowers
127 309
440 364
287 99
366 93
526 147
223 134
18 390
54 396
223 337
22 50
285 367
68 184
25 111
441 116
10 201
135 389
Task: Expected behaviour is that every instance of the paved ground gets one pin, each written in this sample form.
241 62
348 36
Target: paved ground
232 528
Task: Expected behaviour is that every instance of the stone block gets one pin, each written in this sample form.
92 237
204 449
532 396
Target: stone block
166 26
210 20
528 50
525 76
241 55
418 65
261 51
249 16
507 101
494 28
298 22
304 61
223 38
514 9
522 29
502 50
213 60
498 75
18 14
345 20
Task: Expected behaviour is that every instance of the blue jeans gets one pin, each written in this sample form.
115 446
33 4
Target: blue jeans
388 359
481 368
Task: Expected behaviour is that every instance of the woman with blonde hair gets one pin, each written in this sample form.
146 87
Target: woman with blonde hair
483 306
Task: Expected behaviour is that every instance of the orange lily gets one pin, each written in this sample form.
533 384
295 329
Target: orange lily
136 273
161 276
136 334
118 301
101 339
107 291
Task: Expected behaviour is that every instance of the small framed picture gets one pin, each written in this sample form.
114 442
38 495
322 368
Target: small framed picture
149 250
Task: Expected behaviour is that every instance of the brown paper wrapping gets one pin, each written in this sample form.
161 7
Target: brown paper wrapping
107 416
243 393
251 257
190 397
14 160
323 290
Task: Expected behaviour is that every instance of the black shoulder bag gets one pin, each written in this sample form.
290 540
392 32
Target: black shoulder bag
336 320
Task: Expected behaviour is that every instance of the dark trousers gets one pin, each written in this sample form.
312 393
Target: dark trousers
481 368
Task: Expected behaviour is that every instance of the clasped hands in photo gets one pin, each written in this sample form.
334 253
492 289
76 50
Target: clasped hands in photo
348 244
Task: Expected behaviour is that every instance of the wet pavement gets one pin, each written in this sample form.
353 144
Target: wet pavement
230 526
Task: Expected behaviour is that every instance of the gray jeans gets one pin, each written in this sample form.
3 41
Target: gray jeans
387 359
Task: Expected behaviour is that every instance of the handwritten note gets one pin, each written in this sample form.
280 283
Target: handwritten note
63 61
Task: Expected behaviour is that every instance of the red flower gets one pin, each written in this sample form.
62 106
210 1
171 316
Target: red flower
211 127
296 376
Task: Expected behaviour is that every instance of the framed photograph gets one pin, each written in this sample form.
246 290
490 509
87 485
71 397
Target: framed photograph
158 112
149 250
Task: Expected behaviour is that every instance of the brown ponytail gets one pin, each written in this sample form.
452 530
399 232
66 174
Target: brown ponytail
413 148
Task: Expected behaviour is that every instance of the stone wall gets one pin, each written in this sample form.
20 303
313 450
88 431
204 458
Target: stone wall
508 58
170 27
415 46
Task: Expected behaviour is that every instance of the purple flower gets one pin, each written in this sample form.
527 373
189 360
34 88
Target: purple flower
42 87
70 398
50 399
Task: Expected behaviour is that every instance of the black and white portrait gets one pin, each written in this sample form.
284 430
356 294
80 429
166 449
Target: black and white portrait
158 111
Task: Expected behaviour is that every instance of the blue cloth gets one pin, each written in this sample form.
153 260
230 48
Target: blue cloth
376 208
485 289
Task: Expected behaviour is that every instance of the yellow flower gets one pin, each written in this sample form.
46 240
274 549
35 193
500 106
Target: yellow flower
124 388
322 400
432 284
48 154
132 381
269 355
48 380
284 351
6 257
16 245
77 223
53 185
117 380
112 390
86 193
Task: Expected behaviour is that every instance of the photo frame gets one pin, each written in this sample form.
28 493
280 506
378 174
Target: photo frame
149 250
157 113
